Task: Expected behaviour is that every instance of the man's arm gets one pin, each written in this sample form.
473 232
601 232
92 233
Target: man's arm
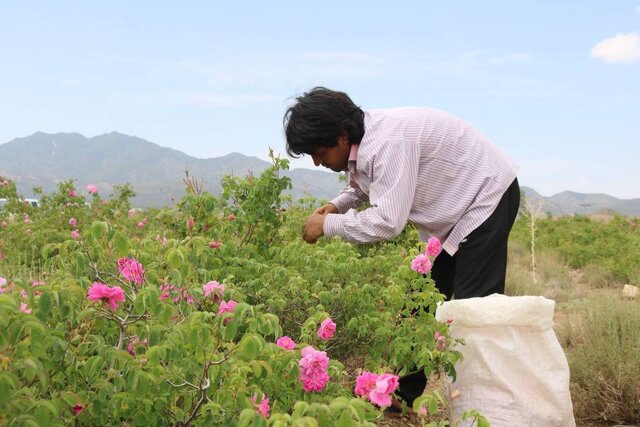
394 176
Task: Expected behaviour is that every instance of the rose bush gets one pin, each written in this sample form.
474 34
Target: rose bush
155 325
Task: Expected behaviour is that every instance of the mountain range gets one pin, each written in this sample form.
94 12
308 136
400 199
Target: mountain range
156 173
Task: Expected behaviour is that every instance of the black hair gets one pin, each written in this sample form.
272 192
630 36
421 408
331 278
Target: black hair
318 118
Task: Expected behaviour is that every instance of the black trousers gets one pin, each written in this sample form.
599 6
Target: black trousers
477 269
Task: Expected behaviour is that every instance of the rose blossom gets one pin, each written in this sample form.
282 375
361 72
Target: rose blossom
214 288
111 296
92 189
214 245
24 309
433 246
327 329
377 388
73 222
131 269
227 307
75 234
314 367
286 342
263 407
365 383
421 264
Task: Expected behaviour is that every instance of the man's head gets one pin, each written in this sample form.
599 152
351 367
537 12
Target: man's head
323 123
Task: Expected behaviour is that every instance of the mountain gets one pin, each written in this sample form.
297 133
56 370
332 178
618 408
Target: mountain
156 173
570 202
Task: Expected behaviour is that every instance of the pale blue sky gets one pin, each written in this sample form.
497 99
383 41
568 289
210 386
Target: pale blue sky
555 84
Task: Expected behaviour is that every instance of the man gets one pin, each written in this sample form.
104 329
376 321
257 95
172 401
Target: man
418 165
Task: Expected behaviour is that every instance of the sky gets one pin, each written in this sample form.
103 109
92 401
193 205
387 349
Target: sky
554 84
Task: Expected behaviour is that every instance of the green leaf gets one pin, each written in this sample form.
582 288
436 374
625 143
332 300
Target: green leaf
99 229
174 258
120 244
249 348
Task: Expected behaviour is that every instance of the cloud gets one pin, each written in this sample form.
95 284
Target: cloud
620 48
638 9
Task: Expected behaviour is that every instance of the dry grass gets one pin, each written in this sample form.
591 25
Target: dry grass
598 329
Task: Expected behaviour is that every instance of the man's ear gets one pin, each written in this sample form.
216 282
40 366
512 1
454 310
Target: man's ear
343 139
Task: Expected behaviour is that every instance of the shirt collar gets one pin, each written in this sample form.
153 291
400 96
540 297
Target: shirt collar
353 154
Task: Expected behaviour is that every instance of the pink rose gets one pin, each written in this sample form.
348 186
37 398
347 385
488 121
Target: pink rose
214 245
433 246
365 383
111 296
73 222
314 367
72 193
141 225
5 183
421 264
385 385
214 288
327 329
75 234
131 269
92 189
286 342
24 309
227 307
262 408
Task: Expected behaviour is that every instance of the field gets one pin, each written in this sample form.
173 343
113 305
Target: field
174 316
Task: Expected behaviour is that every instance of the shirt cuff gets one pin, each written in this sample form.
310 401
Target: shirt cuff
448 247
333 225
341 202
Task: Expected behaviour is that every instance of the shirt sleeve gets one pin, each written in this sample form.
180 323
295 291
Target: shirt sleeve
351 198
394 174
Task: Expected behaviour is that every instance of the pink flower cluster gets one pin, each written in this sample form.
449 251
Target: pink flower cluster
377 388
131 269
112 296
327 329
263 407
314 367
421 263
214 288
286 342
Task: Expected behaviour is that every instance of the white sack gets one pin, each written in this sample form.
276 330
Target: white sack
514 371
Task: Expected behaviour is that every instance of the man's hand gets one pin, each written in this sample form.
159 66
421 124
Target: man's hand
326 209
313 227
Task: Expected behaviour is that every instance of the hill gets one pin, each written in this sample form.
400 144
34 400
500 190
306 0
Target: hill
155 172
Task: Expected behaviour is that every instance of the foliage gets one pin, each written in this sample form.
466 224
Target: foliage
168 355
612 246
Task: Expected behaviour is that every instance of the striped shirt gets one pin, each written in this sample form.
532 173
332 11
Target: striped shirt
424 166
